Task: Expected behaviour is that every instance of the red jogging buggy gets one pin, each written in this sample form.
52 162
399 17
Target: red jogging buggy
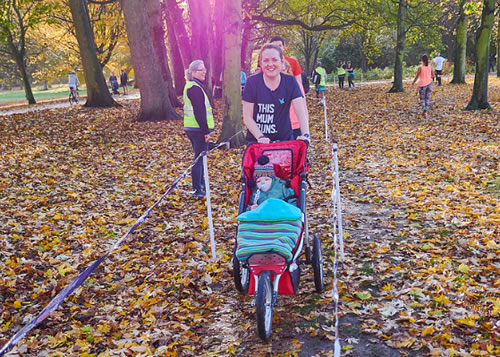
269 273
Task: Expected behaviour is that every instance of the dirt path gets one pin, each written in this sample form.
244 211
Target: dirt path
52 104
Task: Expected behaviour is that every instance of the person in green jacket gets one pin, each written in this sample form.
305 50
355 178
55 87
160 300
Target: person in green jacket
320 87
341 73
268 185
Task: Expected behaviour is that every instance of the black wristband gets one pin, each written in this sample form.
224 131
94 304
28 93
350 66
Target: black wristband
262 136
306 135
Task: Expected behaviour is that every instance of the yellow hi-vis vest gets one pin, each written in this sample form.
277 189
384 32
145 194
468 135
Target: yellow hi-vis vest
189 119
322 73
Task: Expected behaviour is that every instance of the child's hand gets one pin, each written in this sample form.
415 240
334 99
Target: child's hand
254 206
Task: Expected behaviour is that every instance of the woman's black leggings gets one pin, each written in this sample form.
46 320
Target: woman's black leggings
341 81
350 80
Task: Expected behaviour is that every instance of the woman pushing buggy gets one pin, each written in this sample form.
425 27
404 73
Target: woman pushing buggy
272 228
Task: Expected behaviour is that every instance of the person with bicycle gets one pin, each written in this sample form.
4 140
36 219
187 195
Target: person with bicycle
73 83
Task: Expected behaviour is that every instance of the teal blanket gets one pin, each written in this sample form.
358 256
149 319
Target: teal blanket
274 226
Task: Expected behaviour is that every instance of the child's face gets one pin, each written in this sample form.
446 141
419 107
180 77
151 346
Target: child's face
264 183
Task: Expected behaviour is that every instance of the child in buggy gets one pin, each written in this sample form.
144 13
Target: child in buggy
267 185
271 236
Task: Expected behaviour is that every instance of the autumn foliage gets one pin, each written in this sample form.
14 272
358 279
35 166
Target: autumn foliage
421 217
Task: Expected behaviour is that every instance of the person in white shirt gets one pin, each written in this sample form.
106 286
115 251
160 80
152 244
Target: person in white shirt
438 62
73 81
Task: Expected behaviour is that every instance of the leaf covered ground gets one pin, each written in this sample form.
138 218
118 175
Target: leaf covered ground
421 219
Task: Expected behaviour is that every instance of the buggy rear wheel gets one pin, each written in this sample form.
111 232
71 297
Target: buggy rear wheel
264 305
317 262
241 276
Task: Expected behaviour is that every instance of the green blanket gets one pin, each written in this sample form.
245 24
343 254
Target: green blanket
274 226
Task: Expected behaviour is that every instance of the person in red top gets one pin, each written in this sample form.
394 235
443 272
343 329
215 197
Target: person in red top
425 77
294 66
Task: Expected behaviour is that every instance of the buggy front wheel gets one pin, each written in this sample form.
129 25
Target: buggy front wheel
264 305
317 262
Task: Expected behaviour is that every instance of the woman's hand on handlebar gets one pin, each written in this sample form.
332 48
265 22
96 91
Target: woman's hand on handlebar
263 140
304 138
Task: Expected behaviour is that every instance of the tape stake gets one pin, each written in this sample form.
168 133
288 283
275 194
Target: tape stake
337 241
326 120
209 207
339 208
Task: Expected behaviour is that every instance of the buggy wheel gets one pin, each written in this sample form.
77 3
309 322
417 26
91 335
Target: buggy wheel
264 305
317 262
241 276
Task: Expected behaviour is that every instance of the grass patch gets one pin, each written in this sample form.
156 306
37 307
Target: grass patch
493 187
445 233
39 94
367 269
350 329
308 307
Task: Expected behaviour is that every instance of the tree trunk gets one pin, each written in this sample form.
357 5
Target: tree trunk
206 43
156 25
175 54
397 86
231 89
479 98
19 55
196 29
21 63
153 89
98 94
246 60
498 46
218 53
461 46
176 16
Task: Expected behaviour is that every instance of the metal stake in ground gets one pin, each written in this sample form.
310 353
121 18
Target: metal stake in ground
337 197
326 119
209 206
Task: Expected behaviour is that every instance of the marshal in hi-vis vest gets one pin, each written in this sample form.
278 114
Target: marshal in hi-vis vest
189 119
322 73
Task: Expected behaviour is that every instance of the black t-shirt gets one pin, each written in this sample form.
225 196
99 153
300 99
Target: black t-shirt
271 110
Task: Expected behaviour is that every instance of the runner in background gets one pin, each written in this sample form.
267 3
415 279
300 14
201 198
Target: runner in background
341 73
320 86
425 77
350 75
438 62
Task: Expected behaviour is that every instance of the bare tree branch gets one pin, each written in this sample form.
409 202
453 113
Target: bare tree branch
291 22
101 2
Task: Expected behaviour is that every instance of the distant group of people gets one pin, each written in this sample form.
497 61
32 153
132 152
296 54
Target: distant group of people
344 68
113 81
74 83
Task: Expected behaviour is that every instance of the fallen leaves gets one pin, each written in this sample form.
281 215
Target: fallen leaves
420 228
